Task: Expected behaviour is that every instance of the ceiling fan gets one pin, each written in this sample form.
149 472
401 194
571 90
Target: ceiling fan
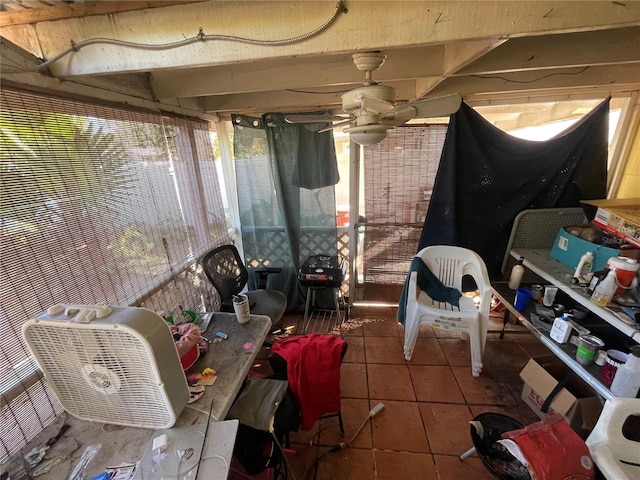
372 109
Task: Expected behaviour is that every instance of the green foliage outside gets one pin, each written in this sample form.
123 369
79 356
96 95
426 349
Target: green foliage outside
248 146
56 163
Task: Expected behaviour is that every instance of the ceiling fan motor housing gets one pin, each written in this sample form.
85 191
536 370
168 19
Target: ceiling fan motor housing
352 100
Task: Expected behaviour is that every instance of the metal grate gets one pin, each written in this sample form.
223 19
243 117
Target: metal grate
324 321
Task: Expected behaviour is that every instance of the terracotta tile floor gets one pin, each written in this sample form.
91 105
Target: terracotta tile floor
428 402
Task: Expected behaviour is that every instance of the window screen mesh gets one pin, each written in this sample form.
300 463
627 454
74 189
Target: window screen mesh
97 205
399 174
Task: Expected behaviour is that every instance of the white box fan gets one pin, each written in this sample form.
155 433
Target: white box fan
116 365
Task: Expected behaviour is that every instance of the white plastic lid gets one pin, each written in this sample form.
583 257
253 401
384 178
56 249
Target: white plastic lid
623 263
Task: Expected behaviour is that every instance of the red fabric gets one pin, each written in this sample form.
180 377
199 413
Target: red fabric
313 372
554 451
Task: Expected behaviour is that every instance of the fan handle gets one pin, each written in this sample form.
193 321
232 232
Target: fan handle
82 313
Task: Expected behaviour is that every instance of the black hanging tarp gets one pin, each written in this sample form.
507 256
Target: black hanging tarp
486 177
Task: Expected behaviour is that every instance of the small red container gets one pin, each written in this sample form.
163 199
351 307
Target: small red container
615 359
189 358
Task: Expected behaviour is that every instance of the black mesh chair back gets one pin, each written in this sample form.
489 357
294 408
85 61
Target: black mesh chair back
226 271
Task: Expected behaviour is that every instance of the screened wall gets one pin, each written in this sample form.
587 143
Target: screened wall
399 174
98 205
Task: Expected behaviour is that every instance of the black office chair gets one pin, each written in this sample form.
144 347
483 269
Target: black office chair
226 271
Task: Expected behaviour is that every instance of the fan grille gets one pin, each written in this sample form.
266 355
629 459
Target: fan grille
102 375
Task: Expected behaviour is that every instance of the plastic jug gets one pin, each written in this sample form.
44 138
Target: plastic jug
516 274
604 291
561 329
626 383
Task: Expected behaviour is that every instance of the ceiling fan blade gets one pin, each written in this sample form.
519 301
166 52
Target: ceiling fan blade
399 115
339 124
313 118
375 105
425 108
437 107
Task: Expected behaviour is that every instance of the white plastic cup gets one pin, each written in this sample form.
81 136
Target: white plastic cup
241 307
549 296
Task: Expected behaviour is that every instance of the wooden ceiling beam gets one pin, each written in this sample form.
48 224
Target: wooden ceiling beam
288 101
368 25
64 10
456 56
602 47
295 74
613 78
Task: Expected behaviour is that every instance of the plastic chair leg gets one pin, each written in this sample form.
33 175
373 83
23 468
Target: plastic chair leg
411 331
476 355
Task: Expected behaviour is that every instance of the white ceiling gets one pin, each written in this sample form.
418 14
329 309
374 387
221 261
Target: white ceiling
491 52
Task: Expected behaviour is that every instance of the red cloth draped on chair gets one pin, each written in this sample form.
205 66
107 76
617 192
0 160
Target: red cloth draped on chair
313 372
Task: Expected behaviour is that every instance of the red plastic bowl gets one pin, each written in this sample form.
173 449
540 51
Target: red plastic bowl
189 358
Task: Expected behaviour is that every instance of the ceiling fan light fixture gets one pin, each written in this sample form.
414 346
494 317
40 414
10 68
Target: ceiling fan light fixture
368 134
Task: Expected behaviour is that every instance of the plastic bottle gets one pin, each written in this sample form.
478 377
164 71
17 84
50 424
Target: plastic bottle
583 269
516 274
626 383
596 278
561 329
604 291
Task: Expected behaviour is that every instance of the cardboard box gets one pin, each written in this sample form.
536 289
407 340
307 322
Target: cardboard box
581 412
568 249
620 217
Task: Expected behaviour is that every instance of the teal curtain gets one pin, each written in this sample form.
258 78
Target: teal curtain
285 176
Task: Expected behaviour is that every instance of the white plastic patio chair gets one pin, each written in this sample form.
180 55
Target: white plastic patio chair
449 264
617 457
